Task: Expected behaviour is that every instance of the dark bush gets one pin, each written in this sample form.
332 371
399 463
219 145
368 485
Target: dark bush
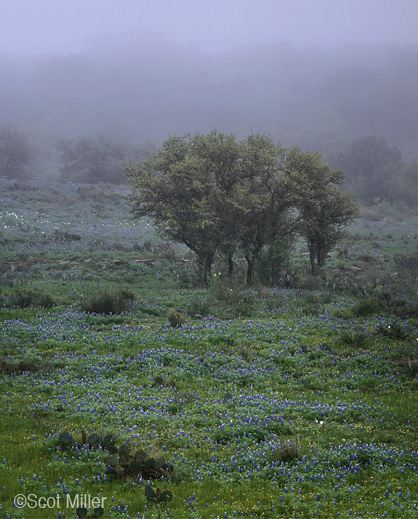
366 307
199 307
108 302
32 364
394 331
287 452
45 300
403 308
353 338
175 318
245 306
25 297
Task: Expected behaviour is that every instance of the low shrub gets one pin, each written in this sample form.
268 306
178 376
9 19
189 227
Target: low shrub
27 296
366 307
175 318
394 331
245 306
199 307
287 452
353 338
403 308
46 300
341 314
30 363
274 301
226 289
312 283
108 302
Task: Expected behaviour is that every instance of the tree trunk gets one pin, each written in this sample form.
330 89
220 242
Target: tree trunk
230 262
250 270
314 265
205 260
203 272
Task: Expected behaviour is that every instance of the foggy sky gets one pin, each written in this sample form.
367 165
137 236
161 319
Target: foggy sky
65 27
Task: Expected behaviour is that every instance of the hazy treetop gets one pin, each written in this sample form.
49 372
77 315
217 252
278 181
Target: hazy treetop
63 27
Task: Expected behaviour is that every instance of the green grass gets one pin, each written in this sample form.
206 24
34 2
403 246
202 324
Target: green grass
285 403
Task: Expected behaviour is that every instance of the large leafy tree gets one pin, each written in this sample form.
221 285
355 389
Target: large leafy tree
216 194
269 219
15 152
323 208
192 189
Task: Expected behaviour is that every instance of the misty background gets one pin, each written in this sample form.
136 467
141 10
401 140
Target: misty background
124 75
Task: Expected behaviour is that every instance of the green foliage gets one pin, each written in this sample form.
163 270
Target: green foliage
139 463
213 194
158 498
175 318
25 297
287 452
271 264
149 493
191 188
65 440
322 297
353 338
83 512
108 302
94 441
45 300
406 185
403 308
366 308
324 210
394 330
246 305
30 363
199 307
226 288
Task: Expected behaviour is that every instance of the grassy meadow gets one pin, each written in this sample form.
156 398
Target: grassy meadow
174 401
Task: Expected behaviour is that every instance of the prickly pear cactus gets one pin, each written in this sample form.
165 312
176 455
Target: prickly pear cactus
149 493
93 441
65 440
166 496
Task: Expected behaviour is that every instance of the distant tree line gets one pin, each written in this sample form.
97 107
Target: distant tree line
91 160
375 172
84 159
216 194
15 152
373 168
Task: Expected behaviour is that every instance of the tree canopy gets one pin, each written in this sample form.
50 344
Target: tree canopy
191 188
216 194
323 208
